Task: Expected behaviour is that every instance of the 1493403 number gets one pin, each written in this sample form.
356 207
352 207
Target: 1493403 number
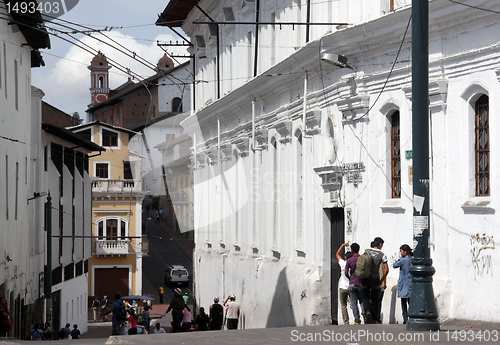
471 335
32 7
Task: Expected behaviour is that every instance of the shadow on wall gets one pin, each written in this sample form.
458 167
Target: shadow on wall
392 313
281 313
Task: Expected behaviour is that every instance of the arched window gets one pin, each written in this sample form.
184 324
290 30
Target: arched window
112 229
395 155
101 82
482 146
177 105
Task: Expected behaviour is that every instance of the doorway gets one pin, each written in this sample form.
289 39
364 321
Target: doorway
337 238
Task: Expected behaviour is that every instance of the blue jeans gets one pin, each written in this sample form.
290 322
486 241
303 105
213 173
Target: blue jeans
355 294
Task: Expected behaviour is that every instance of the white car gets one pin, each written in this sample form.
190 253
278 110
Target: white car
176 275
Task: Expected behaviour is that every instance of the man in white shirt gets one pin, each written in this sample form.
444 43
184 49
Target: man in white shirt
158 329
343 283
232 313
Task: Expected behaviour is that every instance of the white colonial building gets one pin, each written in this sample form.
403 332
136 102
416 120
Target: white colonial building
302 141
36 159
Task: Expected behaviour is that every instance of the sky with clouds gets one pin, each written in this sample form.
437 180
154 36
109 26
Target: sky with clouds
65 78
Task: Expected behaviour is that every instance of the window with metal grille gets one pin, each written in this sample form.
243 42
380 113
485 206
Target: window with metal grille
395 156
109 138
482 147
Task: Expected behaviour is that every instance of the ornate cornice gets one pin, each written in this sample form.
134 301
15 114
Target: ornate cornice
354 108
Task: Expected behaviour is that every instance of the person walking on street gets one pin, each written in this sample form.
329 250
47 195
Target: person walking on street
216 315
177 306
232 313
104 308
343 282
95 308
115 309
371 285
405 278
355 286
161 294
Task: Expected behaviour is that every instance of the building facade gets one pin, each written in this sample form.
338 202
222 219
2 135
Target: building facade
28 172
302 141
117 195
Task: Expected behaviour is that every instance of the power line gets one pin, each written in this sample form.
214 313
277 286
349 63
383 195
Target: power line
475 7
390 72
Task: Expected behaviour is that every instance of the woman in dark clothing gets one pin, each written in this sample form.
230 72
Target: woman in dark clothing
202 320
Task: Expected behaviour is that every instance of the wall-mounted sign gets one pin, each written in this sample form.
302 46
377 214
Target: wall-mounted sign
352 171
409 154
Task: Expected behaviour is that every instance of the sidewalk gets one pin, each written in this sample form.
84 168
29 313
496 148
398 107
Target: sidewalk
452 332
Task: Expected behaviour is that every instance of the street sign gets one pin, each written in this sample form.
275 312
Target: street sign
409 154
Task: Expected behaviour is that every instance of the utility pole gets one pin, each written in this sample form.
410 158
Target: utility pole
48 267
422 312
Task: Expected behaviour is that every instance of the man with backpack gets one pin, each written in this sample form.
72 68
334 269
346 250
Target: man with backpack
119 314
355 287
371 284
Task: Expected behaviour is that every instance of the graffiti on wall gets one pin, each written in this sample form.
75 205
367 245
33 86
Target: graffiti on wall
480 259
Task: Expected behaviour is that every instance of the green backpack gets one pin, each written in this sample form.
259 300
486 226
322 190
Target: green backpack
364 265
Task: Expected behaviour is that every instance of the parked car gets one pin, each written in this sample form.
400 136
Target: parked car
176 275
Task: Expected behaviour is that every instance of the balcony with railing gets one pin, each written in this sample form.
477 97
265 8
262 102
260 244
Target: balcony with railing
112 247
180 196
116 186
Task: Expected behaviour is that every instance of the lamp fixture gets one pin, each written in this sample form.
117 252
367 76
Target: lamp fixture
334 59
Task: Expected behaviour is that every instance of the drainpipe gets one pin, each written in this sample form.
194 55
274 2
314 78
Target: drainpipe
257 5
48 267
224 256
218 139
304 107
308 19
253 123
193 89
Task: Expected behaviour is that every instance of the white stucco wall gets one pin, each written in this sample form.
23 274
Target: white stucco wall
74 302
172 85
359 103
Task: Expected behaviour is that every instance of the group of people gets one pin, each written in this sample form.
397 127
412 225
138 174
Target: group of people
127 323
39 332
364 280
214 320
99 308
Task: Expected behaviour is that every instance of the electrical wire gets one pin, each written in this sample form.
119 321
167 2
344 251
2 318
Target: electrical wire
475 7
390 72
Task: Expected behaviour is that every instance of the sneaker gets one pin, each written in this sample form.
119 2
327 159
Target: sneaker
368 317
357 323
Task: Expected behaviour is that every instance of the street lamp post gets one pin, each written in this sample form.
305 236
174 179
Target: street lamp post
422 312
48 267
